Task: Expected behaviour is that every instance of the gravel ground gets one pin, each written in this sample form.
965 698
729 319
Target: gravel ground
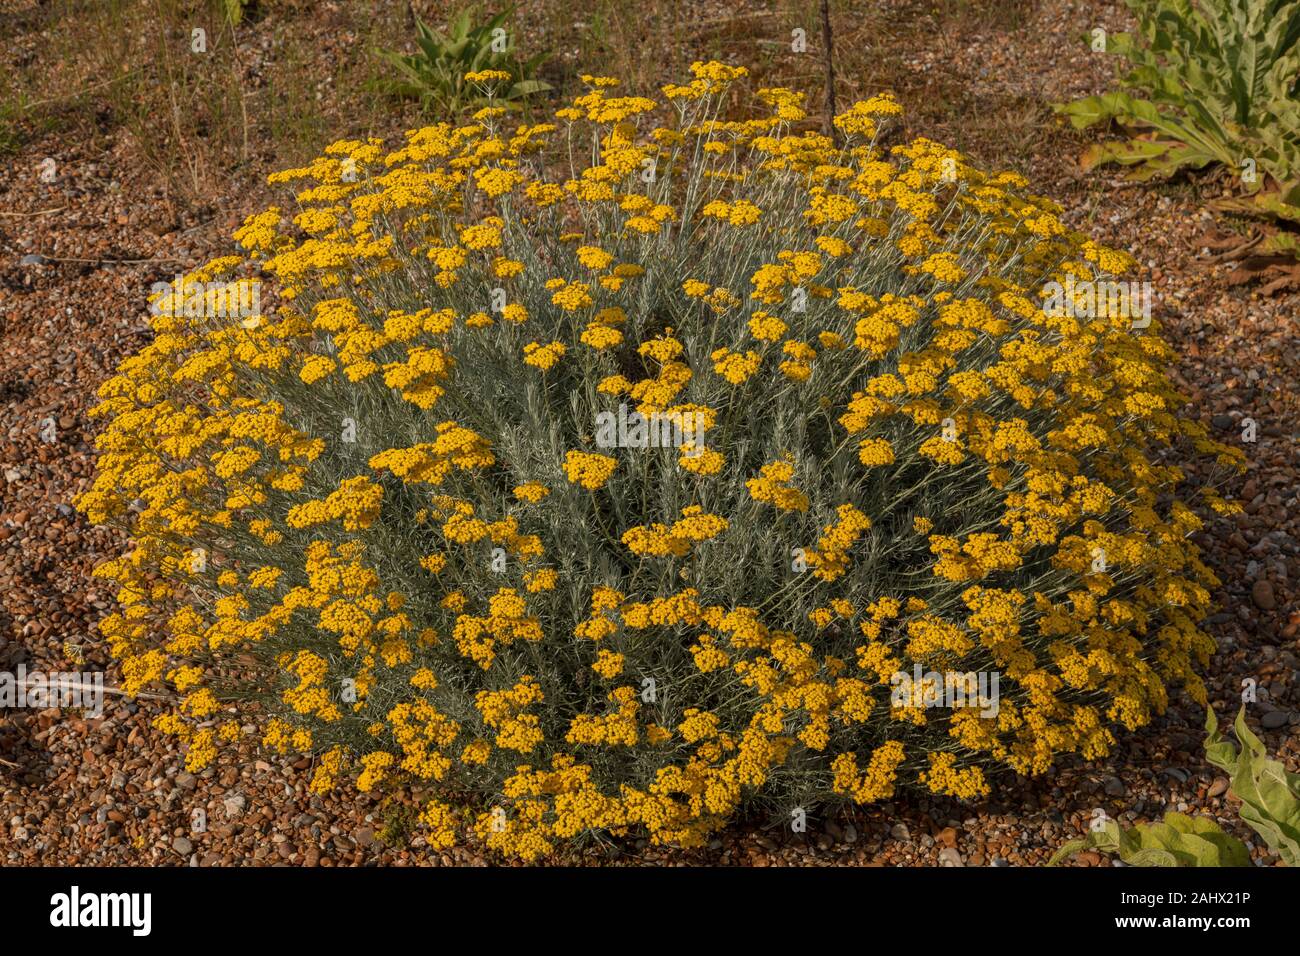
77 256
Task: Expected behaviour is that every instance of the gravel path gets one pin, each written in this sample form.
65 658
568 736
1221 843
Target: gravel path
78 252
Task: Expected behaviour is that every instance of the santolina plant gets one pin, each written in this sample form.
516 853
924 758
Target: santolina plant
378 526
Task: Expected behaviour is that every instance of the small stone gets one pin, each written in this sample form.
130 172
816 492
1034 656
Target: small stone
365 836
998 861
1274 719
182 846
234 804
950 857
1113 786
899 831
185 781
949 836
32 260
1262 592
1218 787
1222 421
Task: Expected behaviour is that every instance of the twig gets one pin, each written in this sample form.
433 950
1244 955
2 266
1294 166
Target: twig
827 44
32 681
722 21
112 262
28 107
1238 252
28 215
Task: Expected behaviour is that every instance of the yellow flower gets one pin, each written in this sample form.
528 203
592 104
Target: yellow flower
589 470
544 357
735 367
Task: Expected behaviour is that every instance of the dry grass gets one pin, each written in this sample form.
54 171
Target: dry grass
298 74
261 94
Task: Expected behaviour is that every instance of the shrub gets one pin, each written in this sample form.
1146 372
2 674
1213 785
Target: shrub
383 523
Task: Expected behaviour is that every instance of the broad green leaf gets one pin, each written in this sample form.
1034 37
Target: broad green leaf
1269 793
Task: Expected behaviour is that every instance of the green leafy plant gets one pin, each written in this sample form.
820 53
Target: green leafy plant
235 9
1212 83
435 73
1270 795
1215 83
1180 840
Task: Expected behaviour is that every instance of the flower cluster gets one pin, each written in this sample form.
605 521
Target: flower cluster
375 525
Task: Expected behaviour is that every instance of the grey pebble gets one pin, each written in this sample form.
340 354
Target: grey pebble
1275 719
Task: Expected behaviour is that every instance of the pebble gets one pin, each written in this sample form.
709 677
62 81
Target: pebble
1274 719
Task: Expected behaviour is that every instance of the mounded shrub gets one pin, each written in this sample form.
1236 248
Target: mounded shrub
410 522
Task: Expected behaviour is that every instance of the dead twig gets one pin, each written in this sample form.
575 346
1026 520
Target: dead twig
29 215
829 53
108 262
